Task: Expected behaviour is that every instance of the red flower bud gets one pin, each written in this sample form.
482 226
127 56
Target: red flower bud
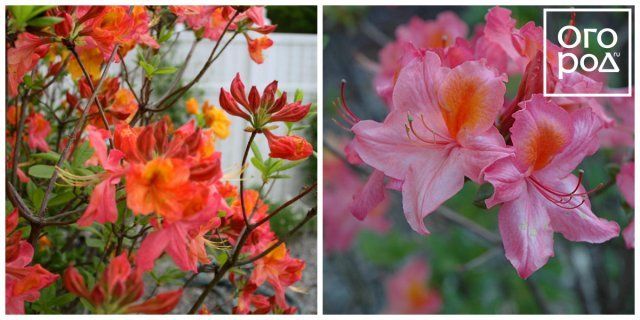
237 91
292 112
230 106
281 102
288 147
269 93
254 99
162 303
54 69
74 282
63 28
72 100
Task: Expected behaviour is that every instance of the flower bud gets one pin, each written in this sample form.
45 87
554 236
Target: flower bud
288 147
254 100
292 112
228 103
238 92
74 282
64 27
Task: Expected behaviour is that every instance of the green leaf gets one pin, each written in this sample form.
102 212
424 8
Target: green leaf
41 171
95 243
35 194
63 299
166 70
222 258
290 165
280 176
47 156
148 69
259 165
82 154
61 199
21 13
36 10
485 191
298 96
256 151
44 21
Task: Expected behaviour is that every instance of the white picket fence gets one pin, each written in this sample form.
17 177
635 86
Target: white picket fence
292 60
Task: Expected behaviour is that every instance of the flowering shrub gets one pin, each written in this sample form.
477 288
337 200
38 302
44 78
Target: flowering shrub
452 123
102 184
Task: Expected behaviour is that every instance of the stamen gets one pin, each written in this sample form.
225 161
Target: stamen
565 198
433 140
343 86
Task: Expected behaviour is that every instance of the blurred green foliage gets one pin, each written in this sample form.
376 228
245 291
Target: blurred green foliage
294 19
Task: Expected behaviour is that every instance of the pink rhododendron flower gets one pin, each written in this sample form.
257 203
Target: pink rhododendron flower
538 192
411 41
449 133
621 109
340 227
624 180
407 290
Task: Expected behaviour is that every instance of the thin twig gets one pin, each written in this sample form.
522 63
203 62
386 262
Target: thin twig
244 161
310 215
285 205
75 135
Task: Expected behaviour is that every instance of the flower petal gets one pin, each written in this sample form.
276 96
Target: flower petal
508 182
369 196
579 224
526 234
428 184
586 125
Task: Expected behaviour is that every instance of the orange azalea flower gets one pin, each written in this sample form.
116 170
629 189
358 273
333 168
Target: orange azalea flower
256 46
280 270
124 104
161 186
217 120
91 58
192 106
112 26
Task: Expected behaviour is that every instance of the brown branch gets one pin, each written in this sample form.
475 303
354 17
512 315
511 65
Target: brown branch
310 215
244 161
16 150
285 205
93 89
75 135
159 106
